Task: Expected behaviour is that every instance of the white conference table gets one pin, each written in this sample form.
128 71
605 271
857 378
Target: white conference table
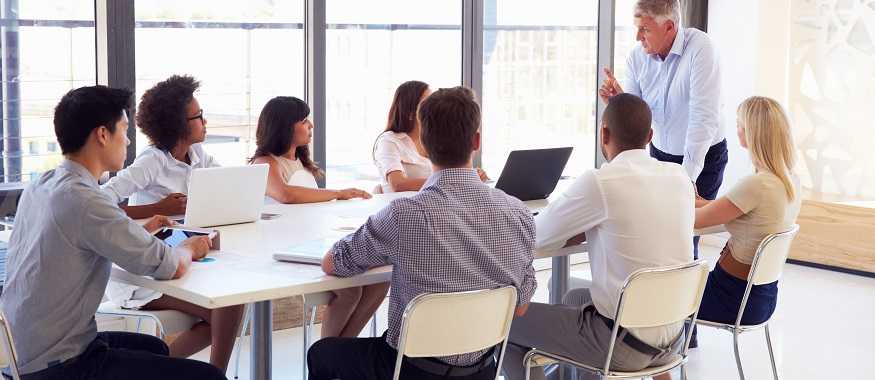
244 271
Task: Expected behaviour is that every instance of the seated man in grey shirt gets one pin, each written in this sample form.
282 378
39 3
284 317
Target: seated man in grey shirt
457 234
67 235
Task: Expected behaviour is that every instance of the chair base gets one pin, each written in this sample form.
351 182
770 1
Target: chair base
738 330
538 358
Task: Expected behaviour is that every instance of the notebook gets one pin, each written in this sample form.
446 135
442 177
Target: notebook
309 252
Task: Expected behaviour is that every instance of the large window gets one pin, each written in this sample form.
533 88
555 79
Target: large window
539 79
625 34
47 49
243 53
372 47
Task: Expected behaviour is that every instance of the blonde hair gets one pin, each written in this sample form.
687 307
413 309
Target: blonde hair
768 138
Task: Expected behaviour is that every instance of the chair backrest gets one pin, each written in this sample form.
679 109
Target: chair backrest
8 356
660 296
768 263
445 324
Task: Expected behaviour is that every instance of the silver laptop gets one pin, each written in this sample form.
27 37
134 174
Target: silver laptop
225 195
309 252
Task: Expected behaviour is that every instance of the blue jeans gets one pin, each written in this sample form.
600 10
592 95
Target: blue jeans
122 355
710 178
723 294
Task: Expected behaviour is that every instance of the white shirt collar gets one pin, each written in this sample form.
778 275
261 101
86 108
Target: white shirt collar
632 155
192 156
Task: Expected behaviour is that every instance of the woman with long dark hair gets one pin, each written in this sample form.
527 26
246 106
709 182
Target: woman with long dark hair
401 161
282 141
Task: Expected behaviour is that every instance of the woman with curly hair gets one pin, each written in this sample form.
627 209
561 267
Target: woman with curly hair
156 184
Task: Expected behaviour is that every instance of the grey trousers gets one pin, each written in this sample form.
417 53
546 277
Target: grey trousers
573 330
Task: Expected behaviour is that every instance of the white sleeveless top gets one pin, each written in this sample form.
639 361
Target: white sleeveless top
293 173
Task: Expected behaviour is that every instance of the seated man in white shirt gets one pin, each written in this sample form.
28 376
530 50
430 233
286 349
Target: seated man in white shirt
635 212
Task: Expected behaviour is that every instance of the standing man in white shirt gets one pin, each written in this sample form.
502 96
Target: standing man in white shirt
675 70
635 212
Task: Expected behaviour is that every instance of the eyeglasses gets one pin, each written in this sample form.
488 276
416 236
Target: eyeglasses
200 115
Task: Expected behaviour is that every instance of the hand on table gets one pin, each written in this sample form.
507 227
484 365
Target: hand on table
352 193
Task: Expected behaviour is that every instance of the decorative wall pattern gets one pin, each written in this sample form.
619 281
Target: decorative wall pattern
831 94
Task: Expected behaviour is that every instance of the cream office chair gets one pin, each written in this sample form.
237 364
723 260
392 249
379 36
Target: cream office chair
167 322
767 267
311 303
8 356
445 324
649 298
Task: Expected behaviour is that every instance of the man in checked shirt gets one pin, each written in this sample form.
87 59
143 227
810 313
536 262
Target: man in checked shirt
457 234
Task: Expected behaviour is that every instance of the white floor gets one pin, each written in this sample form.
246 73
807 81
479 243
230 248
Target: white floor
824 328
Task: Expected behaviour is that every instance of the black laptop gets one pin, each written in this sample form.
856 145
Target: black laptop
533 174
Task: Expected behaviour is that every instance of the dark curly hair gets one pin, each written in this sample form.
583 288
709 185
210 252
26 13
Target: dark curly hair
275 131
162 112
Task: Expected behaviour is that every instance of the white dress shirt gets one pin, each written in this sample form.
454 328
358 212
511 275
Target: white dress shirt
152 176
683 92
637 213
155 174
396 151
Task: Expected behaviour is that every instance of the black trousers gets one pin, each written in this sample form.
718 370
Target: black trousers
369 359
122 355
709 180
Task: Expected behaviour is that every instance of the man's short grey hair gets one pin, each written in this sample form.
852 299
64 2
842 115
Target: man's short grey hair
659 10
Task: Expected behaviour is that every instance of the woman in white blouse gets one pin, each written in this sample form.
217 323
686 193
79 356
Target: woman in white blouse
401 161
156 183
282 139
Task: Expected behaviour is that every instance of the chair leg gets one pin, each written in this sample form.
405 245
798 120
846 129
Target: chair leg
307 325
139 321
771 353
683 372
240 345
737 355
305 329
374 326
528 366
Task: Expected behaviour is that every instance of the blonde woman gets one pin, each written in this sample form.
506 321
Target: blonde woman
760 204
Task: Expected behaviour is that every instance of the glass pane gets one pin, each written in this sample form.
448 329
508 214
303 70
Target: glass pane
47 49
243 53
624 36
539 79
372 47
